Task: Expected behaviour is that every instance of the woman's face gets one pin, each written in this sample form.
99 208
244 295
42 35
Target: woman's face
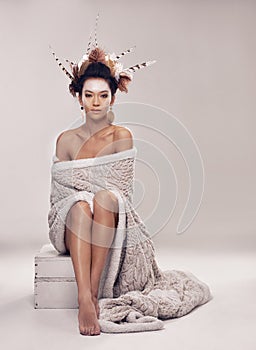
96 97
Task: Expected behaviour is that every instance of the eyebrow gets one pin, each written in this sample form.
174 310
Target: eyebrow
99 91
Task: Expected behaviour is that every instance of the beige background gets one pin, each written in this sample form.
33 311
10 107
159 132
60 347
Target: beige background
205 77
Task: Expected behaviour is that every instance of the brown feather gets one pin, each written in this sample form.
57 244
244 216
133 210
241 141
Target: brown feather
123 83
97 55
83 67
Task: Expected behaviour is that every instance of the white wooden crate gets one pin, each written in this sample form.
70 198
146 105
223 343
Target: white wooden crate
54 283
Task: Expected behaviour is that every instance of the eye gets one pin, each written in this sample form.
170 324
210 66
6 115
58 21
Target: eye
105 95
88 95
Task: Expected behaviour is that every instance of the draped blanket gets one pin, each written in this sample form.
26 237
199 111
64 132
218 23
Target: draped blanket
134 293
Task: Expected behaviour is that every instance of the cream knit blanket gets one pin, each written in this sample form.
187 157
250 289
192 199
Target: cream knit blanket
134 293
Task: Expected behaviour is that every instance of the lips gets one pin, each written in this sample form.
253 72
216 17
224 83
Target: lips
96 110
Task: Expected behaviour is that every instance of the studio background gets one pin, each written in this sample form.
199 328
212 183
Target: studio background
204 76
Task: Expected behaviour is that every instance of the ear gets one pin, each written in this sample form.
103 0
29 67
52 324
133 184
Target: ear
80 100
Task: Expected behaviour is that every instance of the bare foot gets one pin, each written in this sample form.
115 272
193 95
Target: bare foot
87 317
96 304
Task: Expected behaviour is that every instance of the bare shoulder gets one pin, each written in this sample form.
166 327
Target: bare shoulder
63 143
122 132
123 139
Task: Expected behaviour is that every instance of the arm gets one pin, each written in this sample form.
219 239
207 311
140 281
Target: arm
123 139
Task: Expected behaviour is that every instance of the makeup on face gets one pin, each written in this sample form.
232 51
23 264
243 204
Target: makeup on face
96 95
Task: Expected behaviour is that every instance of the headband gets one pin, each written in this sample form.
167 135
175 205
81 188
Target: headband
122 76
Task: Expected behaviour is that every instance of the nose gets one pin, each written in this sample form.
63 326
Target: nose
96 101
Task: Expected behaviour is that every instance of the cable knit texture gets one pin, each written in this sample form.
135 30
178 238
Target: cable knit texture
134 293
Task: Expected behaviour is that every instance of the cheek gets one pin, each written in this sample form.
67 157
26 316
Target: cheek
86 101
105 101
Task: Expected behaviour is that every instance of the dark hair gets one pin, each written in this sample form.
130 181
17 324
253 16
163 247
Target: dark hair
94 70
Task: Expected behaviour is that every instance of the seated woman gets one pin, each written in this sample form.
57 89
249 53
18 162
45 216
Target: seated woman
96 89
93 219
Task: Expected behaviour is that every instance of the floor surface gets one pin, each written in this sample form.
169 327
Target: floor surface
226 322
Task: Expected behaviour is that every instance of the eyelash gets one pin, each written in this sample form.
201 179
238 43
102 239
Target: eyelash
89 95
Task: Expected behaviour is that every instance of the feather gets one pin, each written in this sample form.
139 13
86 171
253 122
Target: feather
97 55
123 82
83 67
74 69
70 62
123 76
89 44
60 64
125 52
139 66
112 66
96 30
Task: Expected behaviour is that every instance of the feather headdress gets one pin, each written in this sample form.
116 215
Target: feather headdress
97 54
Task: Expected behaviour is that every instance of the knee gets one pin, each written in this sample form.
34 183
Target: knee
105 199
79 209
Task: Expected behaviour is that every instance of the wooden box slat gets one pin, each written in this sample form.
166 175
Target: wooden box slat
54 283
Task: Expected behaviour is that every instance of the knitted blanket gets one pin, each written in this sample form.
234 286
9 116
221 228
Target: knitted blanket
134 293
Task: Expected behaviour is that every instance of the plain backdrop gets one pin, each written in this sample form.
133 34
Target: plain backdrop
204 83
204 76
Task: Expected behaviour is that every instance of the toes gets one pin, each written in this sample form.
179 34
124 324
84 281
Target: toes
96 331
90 331
85 331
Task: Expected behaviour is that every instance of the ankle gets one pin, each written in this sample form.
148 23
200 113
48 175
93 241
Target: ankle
84 296
94 293
94 298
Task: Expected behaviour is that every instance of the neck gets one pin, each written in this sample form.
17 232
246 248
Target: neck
91 126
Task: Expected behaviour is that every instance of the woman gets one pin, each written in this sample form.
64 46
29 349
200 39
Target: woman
92 215
96 89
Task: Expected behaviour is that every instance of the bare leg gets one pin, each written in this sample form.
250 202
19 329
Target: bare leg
79 222
103 230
